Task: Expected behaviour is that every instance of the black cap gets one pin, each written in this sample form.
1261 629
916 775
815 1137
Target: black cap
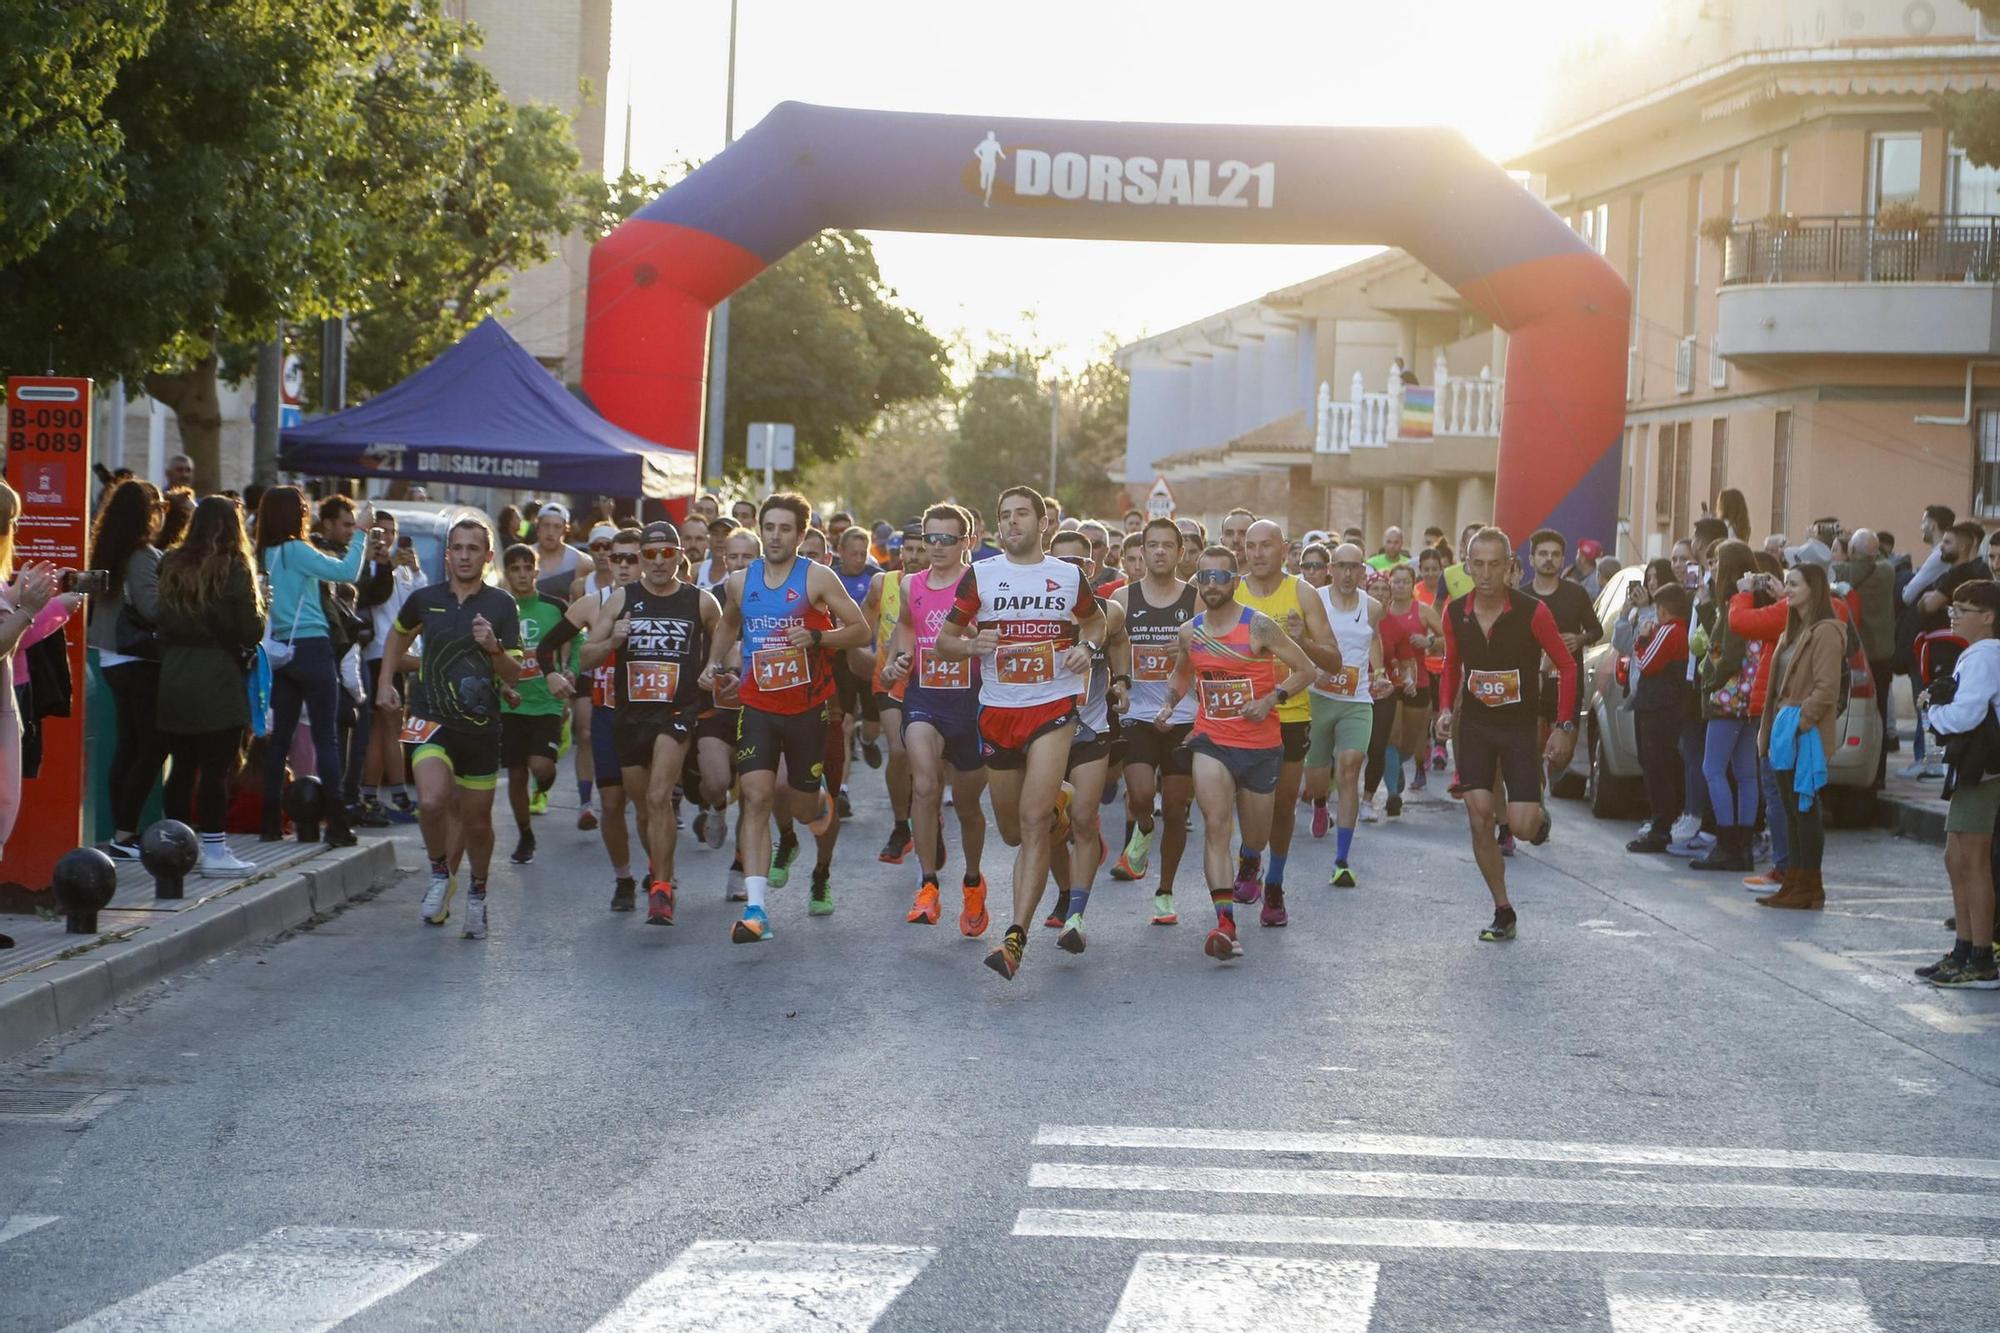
658 533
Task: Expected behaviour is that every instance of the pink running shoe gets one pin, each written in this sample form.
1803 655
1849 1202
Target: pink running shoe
1322 819
1249 887
1274 908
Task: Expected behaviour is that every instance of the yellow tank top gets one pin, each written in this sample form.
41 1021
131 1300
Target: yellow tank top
892 610
1280 604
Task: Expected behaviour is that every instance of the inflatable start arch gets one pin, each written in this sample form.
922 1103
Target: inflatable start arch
804 169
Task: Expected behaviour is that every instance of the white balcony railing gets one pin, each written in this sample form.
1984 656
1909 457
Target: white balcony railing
1684 365
1460 406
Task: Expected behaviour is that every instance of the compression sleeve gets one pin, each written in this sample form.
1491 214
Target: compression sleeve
965 603
545 651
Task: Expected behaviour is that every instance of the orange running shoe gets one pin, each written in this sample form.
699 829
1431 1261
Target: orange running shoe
660 904
1222 944
1059 829
972 917
926 910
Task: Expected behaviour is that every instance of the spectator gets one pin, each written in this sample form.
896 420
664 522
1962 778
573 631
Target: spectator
1607 570
1757 615
1775 544
1734 511
1797 730
1961 712
123 629
1583 569
349 632
1639 614
1873 581
745 514
1953 562
1937 520
309 679
180 508
1887 541
508 525
389 575
1728 675
180 473
30 611
1661 662
1817 548
210 622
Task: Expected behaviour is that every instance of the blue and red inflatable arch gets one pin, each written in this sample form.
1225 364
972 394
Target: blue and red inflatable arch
804 169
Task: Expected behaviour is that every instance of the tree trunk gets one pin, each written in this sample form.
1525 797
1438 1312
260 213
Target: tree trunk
194 395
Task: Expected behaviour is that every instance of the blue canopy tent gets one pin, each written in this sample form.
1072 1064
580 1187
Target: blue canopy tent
486 413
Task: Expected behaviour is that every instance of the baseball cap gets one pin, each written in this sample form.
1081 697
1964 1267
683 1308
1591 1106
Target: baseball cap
660 533
603 532
1589 549
552 508
1316 535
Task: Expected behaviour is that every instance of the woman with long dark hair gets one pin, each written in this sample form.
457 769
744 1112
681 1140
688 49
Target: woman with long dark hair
1734 511
211 619
1797 731
122 623
310 679
180 508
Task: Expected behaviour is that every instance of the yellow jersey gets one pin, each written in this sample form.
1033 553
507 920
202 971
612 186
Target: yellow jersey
1278 606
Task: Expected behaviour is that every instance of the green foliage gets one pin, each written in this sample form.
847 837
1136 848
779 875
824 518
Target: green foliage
59 151
818 340
898 471
1003 431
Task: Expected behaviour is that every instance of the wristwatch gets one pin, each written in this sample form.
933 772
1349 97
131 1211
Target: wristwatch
1096 650
816 638
1567 726
1284 695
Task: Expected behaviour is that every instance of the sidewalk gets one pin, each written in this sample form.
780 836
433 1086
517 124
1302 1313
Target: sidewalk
53 981
1911 807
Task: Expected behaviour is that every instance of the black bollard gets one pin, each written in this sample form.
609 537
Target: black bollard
169 851
306 804
84 881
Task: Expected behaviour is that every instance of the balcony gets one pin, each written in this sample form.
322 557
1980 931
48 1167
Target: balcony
1450 428
1850 286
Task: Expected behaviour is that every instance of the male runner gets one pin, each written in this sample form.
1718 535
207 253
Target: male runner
1194 540
715 732
1076 864
857 574
940 719
1343 707
1289 602
1132 555
1038 625
531 721
787 631
598 685
1157 760
1494 639
1235 531
882 605
1225 656
471 641
659 627
1576 615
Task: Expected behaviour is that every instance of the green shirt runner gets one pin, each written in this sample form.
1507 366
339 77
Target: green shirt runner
540 614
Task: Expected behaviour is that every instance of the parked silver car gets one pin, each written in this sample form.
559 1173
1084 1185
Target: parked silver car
1606 769
425 523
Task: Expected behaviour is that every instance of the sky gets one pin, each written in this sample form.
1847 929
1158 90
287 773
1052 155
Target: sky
1476 65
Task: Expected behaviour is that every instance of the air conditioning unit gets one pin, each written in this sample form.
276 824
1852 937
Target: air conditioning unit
1684 365
1718 367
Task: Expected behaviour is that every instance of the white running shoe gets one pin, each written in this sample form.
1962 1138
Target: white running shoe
1933 766
1368 815
1698 845
437 903
218 862
717 829
1686 827
475 917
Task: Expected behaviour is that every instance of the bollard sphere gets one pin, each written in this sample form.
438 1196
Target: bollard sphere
85 879
169 847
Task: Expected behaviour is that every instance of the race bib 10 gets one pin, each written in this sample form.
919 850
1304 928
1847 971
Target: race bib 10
417 730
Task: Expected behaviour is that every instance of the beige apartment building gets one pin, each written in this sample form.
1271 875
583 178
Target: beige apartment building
1813 263
557 52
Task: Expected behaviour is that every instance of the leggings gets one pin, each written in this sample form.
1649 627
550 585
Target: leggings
1729 765
204 762
1380 733
1774 815
139 748
1693 741
310 679
1804 828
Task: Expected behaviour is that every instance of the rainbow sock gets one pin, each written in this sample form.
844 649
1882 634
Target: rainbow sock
1223 903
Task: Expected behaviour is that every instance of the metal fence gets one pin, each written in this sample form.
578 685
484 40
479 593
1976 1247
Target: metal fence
1856 249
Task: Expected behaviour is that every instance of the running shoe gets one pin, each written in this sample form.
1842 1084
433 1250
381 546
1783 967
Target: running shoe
586 819
660 904
1421 779
1274 908
624 894
1368 815
1222 944
898 847
1163 910
972 918
437 903
1249 886
1059 825
1071 940
718 830
926 910
1647 843
754 928
734 890
1138 852
781 860
475 917
1393 807
1507 843
1502 927
780 875
1059 913
819 901
1974 973
1006 960
361 815
1929 970
538 803
400 814
842 804
701 826
524 850
871 753
1548 827
1343 878
1322 819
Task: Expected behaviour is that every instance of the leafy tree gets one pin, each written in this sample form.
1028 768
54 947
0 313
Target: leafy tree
1003 431
898 470
59 151
1973 118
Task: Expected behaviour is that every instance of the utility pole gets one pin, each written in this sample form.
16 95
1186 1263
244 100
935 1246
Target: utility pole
1055 428
718 321
270 398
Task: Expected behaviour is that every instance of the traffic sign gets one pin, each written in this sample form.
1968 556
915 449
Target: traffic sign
771 446
1160 500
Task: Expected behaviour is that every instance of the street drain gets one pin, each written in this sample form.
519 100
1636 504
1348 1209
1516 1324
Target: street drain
55 1105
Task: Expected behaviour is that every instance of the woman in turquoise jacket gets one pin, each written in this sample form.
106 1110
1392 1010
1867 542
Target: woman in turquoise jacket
311 678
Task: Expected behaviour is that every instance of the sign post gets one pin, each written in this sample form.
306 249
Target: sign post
1160 500
772 446
48 464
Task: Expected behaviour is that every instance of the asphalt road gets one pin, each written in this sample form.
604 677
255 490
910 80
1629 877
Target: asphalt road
1661 1107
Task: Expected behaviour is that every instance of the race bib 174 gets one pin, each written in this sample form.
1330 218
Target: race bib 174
780 668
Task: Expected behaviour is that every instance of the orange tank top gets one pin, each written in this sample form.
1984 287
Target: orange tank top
1228 674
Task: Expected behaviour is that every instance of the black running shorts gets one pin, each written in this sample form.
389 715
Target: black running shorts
799 739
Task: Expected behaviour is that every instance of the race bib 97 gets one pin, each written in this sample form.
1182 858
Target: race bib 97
1152 664
780 668
1225 697
1495 689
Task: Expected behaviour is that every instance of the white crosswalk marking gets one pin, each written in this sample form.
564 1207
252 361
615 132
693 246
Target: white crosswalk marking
289 1280
730 1286
1405 1233
1736 1303
20 1224
1219 1293
1519 1150
1501 1189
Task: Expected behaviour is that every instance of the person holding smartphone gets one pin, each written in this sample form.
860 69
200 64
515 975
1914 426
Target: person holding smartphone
390 573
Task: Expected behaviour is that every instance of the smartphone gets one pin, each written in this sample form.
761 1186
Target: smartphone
89 582
405 544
